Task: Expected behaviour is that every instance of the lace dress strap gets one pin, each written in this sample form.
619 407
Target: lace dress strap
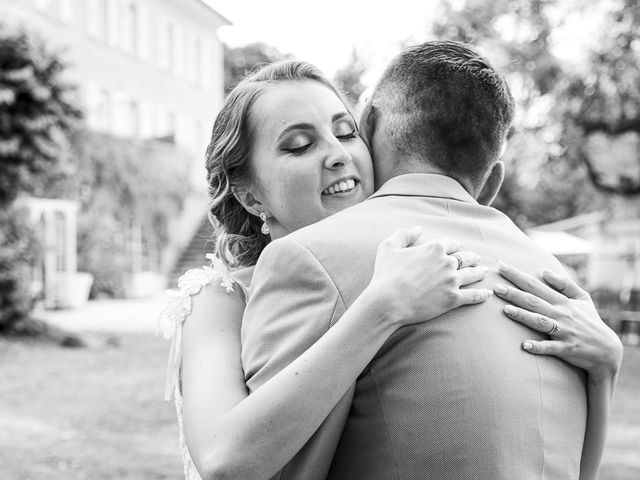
178 308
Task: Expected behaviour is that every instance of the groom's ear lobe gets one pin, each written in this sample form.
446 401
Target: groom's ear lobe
247 199
492 186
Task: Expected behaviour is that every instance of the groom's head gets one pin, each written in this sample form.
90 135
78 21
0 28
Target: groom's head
439 107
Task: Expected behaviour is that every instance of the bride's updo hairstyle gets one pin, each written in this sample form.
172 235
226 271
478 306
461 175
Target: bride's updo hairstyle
239 240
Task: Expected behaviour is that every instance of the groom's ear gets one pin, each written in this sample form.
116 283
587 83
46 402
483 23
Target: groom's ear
368 123
492 186
248 200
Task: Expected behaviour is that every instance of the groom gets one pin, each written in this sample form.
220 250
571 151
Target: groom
455 397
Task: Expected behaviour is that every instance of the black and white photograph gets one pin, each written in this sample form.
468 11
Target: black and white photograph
338 240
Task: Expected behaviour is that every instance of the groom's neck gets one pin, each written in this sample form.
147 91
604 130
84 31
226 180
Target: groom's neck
388 168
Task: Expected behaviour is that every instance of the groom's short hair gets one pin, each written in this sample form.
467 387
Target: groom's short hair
442 102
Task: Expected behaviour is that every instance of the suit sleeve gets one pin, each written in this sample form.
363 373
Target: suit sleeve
293 302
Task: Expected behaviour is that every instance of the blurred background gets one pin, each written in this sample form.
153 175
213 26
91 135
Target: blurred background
106 108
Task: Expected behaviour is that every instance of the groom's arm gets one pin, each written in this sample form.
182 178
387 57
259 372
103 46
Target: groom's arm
293 302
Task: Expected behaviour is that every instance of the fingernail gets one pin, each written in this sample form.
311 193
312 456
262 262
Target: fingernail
500 289
503 267
510 310
527 345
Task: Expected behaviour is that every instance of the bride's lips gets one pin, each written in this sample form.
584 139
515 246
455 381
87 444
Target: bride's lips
341 187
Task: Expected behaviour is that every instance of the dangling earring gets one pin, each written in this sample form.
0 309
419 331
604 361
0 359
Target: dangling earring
265 228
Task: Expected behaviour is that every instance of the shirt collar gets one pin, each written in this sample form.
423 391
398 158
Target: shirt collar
424 185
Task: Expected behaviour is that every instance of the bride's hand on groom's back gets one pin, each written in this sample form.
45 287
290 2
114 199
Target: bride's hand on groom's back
558 307
417 280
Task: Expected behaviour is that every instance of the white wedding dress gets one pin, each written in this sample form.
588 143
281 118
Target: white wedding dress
170 324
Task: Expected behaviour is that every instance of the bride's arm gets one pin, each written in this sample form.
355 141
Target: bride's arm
582 339
232 435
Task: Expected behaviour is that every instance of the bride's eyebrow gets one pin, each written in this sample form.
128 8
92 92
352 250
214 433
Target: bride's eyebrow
340 116
297 126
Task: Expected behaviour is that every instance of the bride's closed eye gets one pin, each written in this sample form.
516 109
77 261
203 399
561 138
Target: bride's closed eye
345 130
297 144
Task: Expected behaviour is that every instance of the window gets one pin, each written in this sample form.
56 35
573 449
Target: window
166 127
197 52
102 111
133 115
166 49
49 7
131 25
59 9
98 18
60 233
204 65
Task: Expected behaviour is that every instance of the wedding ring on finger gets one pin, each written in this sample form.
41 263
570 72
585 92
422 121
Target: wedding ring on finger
459 258
554 328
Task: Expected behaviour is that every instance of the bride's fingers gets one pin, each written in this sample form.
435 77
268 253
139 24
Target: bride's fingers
471 296
535 321
469 275
529 284
563 284
524 300
450 246
463 259
543 347
403 238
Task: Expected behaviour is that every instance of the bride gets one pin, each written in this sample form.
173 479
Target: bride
224 432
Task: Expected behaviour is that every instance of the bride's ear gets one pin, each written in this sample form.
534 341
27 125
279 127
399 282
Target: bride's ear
492 186
248 200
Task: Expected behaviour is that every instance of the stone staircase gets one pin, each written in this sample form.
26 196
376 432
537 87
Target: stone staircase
193 255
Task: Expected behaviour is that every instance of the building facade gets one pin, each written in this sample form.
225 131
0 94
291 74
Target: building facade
145 69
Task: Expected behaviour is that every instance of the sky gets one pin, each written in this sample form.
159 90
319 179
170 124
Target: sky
324 32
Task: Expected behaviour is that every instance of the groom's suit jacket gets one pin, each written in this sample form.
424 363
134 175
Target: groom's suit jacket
453 398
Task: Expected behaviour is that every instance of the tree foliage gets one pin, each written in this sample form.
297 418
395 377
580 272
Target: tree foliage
36 116
547 178
603 105
123 186
349 77
241 60
19 250
36 111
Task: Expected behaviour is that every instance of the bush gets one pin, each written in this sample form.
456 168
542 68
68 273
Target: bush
36 113
19 250
36 117
123 185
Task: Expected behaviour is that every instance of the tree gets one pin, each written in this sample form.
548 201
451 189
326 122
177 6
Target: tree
542 174
349 77
36 116
241 60
36 112
602 105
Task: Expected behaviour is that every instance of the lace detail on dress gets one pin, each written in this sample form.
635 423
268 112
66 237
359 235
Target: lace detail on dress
172 317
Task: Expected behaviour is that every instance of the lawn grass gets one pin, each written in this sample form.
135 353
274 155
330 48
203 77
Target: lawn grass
622 455
97 413
92 413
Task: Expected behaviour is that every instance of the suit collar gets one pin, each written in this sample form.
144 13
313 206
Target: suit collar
424 185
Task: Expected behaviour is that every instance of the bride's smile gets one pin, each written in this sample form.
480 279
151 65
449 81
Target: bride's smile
342 186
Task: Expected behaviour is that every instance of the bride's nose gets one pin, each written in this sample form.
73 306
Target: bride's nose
337 156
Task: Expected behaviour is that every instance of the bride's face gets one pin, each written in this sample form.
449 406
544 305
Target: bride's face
308 159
